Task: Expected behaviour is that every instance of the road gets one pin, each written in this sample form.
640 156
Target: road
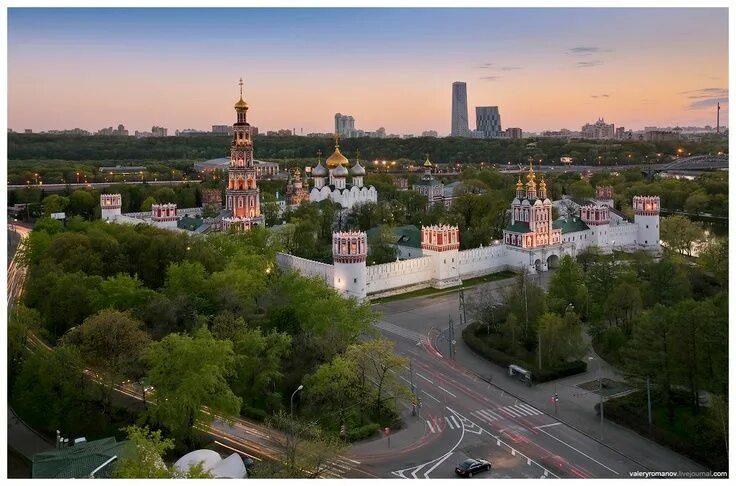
96 185
463 415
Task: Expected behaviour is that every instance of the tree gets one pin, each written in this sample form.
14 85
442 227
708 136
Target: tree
144 458
50 391
112 342
82 203
122 292
54 204
378 366
623 305
714 259
22 320
332 390
560 338
567 286
679 233
526 300
382 247
189 280
187 373
147 203
696 203
165 195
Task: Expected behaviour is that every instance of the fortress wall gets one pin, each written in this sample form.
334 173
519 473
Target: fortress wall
398 274
309 268
482 261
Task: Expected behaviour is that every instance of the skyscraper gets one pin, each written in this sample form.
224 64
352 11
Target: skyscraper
344 125
459 110
488 121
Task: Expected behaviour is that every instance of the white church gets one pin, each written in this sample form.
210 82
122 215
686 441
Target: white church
331 182
532 241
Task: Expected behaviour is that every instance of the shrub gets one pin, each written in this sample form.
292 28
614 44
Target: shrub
254 413
503 359
362 432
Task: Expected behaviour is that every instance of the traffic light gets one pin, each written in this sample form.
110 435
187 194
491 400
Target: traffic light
557 398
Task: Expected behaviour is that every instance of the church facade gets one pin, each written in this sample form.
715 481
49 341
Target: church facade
532 242
331 182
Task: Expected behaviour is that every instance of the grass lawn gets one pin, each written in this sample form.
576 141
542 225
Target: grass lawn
429 291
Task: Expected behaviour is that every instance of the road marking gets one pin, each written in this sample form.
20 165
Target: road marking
548 425
422 376
430 396
447 419
508 411
457 424
447 391
529 408
578 451
405 379
431 429
486 415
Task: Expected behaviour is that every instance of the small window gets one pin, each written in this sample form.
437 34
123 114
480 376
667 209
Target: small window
355 280
647 226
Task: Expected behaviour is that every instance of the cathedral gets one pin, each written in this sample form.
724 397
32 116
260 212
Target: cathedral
336 187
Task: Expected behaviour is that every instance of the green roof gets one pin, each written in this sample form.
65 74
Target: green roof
78 461
190 224
430 182
570 225
519 227
407 235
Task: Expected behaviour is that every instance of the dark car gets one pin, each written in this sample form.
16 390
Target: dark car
472 466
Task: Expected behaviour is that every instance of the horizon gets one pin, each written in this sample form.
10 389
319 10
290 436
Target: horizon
179 68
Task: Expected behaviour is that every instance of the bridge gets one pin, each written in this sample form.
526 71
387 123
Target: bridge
697 162
96 185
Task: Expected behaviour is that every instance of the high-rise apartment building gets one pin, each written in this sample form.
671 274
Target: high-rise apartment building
459 110
488 121
513 132
598 130
344 125
159 131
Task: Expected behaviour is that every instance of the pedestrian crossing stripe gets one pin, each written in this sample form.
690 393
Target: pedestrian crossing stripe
338 466
509 411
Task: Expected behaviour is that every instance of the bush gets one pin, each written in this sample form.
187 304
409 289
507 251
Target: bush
254 413
500 358
363 432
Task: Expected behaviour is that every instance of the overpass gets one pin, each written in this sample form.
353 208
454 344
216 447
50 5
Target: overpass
95 185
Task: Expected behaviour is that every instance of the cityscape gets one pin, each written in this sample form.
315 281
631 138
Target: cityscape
414 275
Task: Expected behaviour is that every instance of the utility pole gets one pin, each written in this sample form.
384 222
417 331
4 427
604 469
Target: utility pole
413 389
451 335
461 306
600 395
718 118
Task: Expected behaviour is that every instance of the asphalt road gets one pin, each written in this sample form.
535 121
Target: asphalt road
464 416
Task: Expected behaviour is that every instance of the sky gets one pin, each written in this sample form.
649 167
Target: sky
545 69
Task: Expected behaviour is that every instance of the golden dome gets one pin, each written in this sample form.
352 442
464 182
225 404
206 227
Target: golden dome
336 158
241 104
530 175
542 184
427 163
519 184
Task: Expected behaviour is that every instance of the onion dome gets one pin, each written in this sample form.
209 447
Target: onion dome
542 184
336 158
241 105
319 170
357 170
519 184
340 171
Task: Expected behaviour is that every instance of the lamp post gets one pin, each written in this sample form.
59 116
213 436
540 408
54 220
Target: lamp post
292 417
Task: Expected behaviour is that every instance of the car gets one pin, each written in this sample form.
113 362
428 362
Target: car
472 466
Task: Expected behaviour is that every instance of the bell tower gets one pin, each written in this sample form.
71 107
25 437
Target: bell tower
242 195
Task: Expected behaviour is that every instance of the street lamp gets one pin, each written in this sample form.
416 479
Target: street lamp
301 387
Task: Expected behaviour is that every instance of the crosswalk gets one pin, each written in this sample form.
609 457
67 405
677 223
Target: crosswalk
399 331
338 467
436 425
509 411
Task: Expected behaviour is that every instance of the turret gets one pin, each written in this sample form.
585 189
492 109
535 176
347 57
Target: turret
110 205
442 244
519 189
164 215
531 185
349 254
646 216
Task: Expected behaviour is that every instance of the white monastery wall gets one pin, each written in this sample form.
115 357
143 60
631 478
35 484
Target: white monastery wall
398 274
306 267
482 261
622 234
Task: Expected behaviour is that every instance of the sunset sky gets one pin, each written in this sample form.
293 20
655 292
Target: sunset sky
544 68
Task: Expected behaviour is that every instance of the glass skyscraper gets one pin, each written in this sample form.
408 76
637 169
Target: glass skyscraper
459 110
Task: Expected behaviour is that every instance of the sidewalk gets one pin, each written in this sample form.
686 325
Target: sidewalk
23 439
576 409
411 436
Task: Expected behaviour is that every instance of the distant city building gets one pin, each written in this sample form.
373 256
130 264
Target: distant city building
661 135
222 129
429 133
284 132
344 125
263 169
188 132
123 169
110 131
513 132
563 133
620 133
28 131
600 130
459 110
73 131
159 131
488 121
